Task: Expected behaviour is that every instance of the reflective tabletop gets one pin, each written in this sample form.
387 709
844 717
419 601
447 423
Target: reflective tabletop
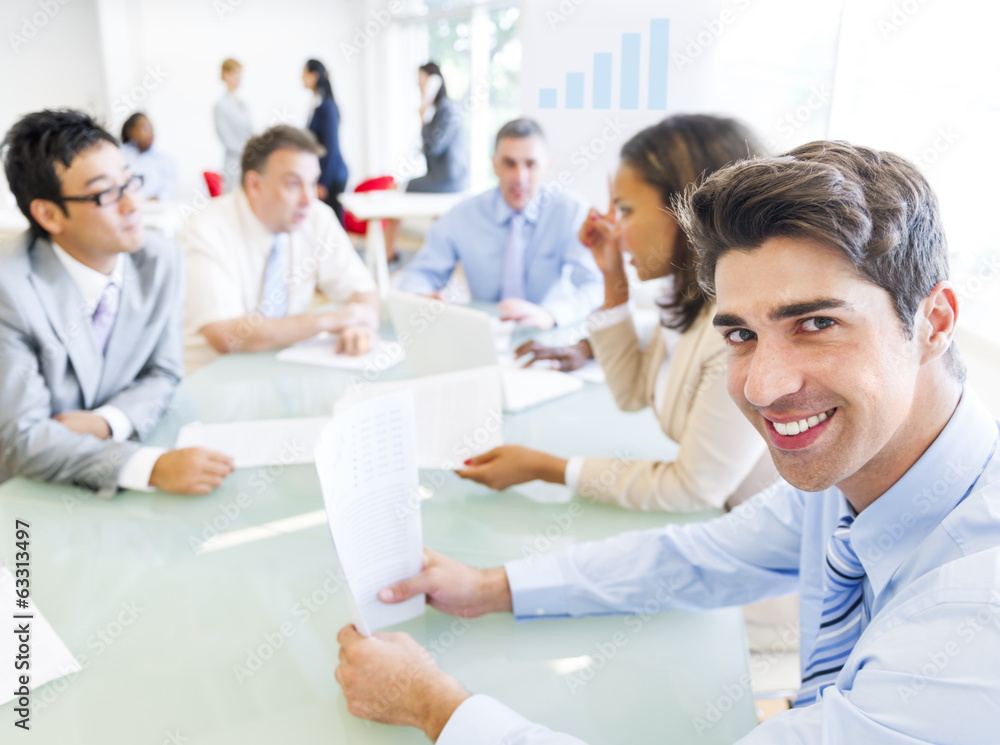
238 645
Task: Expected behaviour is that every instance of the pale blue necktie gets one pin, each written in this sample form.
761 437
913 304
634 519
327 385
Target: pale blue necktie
513 260
274 291
840 623
104 315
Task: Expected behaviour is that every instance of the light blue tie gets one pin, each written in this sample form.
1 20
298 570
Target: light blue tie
840 623
274 291
513 260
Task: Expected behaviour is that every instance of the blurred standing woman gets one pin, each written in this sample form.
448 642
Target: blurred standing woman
443 141
232 122
325 123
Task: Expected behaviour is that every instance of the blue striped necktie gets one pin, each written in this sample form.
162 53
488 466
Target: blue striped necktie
274 290
840 624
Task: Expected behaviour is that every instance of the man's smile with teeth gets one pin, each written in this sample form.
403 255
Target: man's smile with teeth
794 428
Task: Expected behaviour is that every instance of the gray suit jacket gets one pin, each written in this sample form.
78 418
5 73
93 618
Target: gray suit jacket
50 362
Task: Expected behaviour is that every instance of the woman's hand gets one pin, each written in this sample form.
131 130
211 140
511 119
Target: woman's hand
509 465
599 233
565 359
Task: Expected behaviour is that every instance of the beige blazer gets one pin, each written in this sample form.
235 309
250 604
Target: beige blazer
722 459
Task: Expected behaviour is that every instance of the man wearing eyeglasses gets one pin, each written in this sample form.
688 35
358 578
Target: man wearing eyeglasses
91 314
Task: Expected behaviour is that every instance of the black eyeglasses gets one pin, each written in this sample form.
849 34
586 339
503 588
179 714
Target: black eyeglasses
113 195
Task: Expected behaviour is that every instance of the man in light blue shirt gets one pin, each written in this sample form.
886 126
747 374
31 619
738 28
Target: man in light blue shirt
829 266
517 243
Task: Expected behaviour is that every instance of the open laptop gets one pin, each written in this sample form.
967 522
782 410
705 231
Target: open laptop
440 337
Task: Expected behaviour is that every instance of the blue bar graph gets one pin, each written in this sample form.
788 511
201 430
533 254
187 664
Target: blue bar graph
656 68
602 80
630 72
659 60
574 90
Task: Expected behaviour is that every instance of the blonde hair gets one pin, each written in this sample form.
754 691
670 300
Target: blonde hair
229 65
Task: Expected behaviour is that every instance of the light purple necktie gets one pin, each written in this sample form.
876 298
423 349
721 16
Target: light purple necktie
513 260
104 315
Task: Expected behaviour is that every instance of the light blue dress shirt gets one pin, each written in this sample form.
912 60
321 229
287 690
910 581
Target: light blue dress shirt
927 666
157 169
560 273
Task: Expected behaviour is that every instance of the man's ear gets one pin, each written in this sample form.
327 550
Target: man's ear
49 215
251 182
936 319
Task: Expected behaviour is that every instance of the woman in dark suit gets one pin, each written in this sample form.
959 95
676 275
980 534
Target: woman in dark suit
325 123
443 143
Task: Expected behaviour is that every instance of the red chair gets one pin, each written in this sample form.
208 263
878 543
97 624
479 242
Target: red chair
379 183
216 187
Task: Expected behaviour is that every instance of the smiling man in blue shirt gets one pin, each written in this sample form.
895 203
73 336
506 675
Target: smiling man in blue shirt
829 265
517 243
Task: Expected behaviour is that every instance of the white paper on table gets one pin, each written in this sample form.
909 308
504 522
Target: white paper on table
320 351
50 659
264 442
459 414
366 459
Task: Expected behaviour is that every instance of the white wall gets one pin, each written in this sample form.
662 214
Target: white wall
113 57
48 65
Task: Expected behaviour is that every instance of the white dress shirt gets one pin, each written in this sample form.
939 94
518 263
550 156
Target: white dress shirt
226 249
135 473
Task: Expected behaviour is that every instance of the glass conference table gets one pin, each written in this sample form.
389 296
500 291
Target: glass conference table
238 645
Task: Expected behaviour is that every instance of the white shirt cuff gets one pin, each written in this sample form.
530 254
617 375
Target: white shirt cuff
481 720
537 586
121 425
602 319
574 466
137 469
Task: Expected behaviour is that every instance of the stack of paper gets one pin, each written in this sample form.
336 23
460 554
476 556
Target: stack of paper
366 461
458 414
265 442
321 351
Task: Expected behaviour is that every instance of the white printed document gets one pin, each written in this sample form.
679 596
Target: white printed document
367 466
264 442
459 414
29 640
321 351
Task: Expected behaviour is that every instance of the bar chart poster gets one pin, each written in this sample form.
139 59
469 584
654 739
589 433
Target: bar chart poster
594 74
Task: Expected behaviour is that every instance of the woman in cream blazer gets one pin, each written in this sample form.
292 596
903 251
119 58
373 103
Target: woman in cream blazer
681 372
